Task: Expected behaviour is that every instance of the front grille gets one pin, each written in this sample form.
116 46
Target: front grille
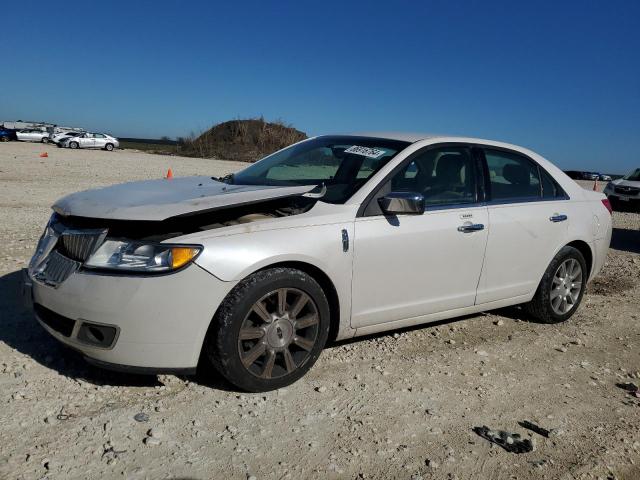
57 269
55 321
627 190
80 245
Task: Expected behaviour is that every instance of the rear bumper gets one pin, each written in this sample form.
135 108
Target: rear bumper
159 321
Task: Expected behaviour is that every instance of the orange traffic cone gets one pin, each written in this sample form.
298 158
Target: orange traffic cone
44 155
169 174
595 185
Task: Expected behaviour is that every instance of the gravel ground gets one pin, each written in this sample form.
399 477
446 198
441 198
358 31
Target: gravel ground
400 405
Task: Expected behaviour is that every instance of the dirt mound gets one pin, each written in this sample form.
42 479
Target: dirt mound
244 140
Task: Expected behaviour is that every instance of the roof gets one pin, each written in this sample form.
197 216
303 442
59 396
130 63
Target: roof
402 136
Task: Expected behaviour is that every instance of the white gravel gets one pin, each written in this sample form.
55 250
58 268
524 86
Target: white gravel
389 406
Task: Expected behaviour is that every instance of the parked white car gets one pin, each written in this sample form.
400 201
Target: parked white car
91 140
32 136
333 237
59 137
625 191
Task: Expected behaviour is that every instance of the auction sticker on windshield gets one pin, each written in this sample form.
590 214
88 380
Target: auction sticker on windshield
365 151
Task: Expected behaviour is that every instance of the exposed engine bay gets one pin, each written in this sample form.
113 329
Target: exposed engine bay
196 222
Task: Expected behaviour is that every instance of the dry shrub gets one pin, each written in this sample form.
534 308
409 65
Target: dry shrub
244 140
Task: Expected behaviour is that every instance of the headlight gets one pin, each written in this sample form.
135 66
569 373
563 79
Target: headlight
142 257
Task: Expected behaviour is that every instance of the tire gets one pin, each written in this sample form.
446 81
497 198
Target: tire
44 140
567 293
109 147
276 352
74 145
4 139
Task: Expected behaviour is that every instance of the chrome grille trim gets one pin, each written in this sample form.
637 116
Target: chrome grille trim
80 244
57 269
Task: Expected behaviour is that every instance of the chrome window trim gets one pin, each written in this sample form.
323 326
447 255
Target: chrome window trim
460 206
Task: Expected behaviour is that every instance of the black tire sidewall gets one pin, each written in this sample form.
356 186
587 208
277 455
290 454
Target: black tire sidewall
108 147
71 145
222 343
547 283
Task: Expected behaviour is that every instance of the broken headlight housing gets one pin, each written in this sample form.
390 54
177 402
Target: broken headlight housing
141 257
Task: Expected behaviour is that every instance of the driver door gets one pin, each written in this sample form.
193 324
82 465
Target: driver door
408 266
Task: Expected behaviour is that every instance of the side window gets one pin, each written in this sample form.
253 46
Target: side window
444 176
550 189
548 186
512 176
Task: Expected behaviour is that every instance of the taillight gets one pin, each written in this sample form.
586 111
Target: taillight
607 205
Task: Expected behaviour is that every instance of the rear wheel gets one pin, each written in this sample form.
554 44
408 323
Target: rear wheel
73 145
561 288
45 140
269 330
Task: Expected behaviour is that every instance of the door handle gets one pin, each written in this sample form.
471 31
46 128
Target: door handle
558 218
472 227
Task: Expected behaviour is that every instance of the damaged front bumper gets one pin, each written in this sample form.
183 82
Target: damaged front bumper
144 324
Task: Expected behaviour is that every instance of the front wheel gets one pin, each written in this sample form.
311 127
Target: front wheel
561 288
269 330
44 140
4 139
73 145
109 147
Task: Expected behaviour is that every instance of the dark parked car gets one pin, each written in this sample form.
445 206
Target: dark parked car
7 134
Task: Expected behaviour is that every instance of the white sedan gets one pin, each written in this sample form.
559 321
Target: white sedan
334 237
32 136
91 140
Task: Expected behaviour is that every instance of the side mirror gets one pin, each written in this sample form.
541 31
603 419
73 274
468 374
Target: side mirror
397 203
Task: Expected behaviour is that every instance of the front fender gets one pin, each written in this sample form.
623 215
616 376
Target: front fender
234 257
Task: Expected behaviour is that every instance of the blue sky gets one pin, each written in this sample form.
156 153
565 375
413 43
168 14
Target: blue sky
562 78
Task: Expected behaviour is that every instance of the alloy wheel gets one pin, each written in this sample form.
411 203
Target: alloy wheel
277 335
566 286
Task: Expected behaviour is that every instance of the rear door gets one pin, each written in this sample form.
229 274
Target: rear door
408 266
528 217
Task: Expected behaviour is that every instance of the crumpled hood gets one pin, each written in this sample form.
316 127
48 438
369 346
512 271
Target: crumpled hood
166 198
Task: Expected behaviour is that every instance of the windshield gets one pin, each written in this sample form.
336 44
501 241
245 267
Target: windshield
342 163
634 176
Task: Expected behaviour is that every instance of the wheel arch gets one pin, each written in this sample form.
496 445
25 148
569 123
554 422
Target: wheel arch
326 284
585 249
